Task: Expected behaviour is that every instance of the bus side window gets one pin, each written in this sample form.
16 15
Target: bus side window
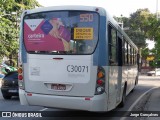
112 46
126 52
119 50
123 51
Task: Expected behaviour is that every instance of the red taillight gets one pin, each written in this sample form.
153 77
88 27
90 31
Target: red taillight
29 94
100 82
87 98
20 77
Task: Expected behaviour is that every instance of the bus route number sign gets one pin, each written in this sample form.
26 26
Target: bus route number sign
86 17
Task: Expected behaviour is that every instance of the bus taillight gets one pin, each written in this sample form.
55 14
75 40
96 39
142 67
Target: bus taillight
100 84
20 70
20 78
100 74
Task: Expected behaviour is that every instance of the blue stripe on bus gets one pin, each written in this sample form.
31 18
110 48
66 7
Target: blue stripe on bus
100 55
24 54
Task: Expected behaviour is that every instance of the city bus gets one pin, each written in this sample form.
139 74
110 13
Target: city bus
75 57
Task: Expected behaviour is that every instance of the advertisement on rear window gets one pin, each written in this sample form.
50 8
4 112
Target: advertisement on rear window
41 34
76 32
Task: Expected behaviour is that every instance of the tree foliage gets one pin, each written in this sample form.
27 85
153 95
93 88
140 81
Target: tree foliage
143 25
140 24
10 11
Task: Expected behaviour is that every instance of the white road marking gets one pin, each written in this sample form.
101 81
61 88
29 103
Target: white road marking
123 118
43 109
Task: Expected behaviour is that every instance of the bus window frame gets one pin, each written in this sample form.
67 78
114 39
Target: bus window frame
110 45
33 52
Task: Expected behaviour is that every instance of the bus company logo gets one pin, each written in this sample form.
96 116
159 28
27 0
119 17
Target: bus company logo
33 23
35 36
6 114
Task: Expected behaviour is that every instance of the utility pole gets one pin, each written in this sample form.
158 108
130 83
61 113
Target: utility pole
121 22
157 9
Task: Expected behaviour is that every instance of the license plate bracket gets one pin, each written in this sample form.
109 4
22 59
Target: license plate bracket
58 87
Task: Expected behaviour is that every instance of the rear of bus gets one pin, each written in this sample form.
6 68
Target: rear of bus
59 51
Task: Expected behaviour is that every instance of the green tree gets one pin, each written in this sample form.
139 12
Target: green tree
139 25
143 25
149 27
145 52
9 29
153 33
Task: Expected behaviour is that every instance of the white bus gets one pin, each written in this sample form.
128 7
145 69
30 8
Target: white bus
75 57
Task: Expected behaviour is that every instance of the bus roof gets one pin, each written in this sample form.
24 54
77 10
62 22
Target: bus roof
68 7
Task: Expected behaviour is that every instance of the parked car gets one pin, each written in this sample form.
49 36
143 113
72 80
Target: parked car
155 72
9 85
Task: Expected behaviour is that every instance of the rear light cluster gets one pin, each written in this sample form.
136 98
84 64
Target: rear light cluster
100 83
20 78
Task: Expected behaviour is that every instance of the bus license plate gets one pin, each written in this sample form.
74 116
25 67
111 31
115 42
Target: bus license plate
58 87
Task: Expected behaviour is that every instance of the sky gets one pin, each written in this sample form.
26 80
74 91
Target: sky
114 7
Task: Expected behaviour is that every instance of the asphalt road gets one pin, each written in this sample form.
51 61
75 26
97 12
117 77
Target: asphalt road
140 93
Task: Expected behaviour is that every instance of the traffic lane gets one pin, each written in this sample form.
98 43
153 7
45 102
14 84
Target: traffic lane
117 112
144 85
139 90
133 96
79 114
113 115
14 105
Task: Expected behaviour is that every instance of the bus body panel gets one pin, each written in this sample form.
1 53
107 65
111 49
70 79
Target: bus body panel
132 74
113 87
75 72
96 103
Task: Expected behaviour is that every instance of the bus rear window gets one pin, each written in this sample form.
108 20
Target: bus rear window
61 32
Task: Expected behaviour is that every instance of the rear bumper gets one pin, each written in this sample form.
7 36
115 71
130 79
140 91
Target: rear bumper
96 103
9 91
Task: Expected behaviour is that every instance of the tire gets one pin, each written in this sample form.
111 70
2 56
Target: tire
136 82
123 98
132 90
6 97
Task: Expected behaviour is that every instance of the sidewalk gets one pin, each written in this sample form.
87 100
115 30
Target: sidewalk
153 104
153 101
